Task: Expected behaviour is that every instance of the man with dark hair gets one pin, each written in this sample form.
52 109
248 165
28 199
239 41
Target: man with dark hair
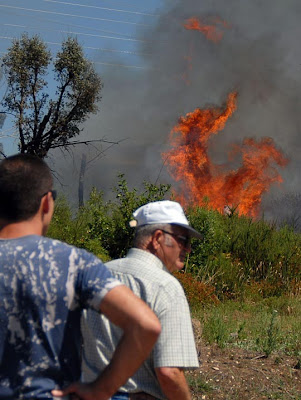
21 175
44 285
160 246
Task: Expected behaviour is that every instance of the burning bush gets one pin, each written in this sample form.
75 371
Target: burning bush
202 181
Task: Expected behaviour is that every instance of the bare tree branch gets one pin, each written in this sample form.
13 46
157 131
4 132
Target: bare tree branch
86 142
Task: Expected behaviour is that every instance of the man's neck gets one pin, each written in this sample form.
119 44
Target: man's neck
19 229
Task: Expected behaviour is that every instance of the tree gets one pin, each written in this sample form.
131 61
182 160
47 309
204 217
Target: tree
44 123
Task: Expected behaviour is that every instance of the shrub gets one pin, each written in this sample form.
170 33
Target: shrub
109 221
100 226
237 251
198 293
236 257
269 341
61 226
74 230
215 329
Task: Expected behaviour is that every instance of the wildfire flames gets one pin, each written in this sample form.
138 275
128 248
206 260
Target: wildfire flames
202 182
211 31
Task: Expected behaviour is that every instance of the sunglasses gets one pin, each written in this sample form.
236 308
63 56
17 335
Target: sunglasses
184 240
53 194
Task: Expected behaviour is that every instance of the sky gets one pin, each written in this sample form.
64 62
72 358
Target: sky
154 71
105 26
108 30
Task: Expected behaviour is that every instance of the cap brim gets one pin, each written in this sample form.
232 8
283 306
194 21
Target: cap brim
192 232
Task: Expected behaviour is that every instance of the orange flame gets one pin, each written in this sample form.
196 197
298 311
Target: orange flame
210 31
202 182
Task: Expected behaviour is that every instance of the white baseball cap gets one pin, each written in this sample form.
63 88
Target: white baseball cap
163 212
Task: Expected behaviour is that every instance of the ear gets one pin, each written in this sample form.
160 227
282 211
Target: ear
157 239
45 203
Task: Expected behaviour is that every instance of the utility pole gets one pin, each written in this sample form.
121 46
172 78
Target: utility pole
2 119
81 180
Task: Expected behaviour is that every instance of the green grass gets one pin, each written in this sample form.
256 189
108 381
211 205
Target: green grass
267 326
197 383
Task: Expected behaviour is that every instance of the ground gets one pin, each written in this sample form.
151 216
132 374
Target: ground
235 373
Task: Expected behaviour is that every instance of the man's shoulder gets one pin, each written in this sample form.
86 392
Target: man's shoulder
63 246
144 270
54 249
40 250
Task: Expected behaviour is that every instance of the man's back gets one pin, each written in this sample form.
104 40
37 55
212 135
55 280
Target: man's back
146 276
43 285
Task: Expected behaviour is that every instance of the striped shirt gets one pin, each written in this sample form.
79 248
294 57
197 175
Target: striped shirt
147 277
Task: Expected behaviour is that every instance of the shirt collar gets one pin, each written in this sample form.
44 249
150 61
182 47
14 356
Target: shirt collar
144 255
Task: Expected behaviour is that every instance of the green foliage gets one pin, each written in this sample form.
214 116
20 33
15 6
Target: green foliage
100 226
45 123
110 221
264 325
238 253
249 319
215 329
270 341
238 258
74 230
61 226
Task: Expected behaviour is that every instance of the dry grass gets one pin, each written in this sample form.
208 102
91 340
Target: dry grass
236 373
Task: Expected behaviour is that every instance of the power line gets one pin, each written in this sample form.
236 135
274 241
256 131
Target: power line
74 33
6 37
88 47
101 8
109 64
72 15
79 33
91 28
120 65
93 48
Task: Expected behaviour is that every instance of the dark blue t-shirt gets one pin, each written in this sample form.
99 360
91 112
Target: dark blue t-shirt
44 285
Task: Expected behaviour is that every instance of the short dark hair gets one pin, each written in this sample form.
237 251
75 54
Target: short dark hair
24 179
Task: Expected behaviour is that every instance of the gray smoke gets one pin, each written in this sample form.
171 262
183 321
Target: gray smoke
258 56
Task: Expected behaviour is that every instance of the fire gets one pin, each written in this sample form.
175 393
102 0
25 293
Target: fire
212 32
204 183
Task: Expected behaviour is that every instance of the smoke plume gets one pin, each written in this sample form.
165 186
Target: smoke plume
256 54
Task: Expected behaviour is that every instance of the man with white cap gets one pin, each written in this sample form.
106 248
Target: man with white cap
161 243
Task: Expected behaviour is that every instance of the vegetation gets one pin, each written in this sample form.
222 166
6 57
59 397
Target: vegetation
242 281
238 257
251 262
266 326
100 226
42 122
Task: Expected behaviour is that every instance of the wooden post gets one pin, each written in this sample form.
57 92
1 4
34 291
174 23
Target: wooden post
82 171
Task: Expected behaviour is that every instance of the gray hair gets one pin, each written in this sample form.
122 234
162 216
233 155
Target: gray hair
144 232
